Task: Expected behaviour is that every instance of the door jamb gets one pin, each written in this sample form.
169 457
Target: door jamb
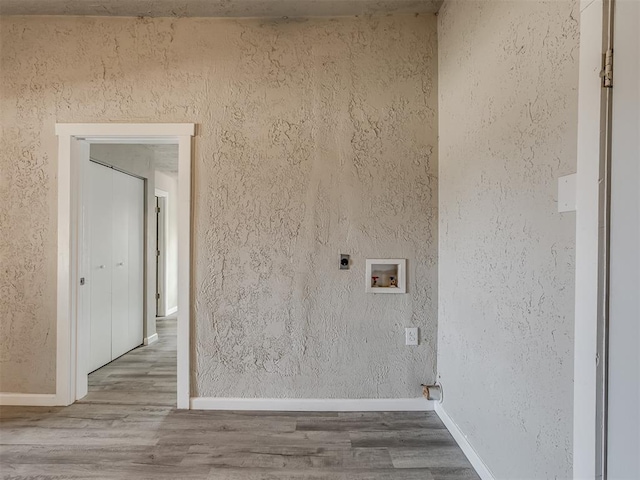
590 295
70 270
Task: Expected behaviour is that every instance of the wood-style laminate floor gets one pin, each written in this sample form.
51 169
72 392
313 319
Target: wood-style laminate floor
144 376
127 428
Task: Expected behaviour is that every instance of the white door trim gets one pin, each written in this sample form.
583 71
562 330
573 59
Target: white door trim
70 184
590 138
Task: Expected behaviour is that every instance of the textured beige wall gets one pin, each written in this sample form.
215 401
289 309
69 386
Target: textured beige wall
316 137
508 75
218 8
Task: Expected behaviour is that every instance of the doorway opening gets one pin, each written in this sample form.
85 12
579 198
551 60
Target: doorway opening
166 238
161 253
132 340
112 345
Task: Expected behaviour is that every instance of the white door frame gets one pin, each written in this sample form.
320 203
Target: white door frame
70 266
592 137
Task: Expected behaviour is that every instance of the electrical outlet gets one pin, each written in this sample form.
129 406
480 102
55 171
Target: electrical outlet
411 336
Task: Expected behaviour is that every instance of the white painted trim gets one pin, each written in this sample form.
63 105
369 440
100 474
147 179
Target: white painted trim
126 130
80 341
68 265
184 271
28 399
587 219
152 339
172 310
419 404
64 373
161 193
480 467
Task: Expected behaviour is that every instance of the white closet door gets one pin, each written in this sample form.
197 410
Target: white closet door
116 203
100 264
135 192
120 268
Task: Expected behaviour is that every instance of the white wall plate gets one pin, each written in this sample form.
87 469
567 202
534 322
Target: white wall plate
386 275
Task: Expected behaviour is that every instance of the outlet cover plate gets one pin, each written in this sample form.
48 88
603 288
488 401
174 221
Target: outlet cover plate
567 188
411 336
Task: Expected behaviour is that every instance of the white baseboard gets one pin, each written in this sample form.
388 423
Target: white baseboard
28 399
171 311
313 404
152 339
480 467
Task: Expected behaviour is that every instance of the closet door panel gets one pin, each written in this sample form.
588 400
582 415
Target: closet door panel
100 264
120 266
136 260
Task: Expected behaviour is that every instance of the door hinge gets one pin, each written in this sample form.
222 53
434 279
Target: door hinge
607 69
81 280
157 296
157 253
157 209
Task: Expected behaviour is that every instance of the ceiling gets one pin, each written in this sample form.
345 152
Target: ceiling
216 8
163 158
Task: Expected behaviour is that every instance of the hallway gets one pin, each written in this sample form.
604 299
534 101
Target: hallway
143 376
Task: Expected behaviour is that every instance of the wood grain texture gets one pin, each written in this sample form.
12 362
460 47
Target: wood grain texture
127 427
144 376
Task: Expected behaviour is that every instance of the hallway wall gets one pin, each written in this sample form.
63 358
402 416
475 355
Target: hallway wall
508 76
315 137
